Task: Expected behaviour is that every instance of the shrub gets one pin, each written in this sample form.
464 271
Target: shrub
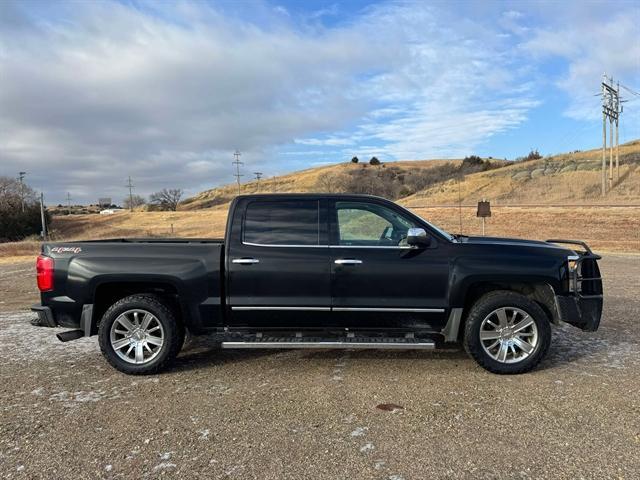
374 161
533 155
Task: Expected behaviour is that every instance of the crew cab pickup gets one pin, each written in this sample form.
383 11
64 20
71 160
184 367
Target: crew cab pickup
320 271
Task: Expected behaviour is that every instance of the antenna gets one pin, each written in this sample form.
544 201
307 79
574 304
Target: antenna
237 163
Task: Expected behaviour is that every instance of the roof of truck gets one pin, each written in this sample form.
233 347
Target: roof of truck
311 195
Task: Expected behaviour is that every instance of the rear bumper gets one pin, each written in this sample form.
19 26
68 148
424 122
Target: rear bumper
45 316
580 311
55 317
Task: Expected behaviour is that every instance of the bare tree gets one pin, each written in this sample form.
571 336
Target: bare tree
19 210
167 199
331 183
133 202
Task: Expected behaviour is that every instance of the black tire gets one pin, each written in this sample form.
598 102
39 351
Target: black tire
488 304
173 334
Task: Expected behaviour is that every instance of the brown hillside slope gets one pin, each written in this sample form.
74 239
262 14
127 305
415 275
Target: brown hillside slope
572 178
310 180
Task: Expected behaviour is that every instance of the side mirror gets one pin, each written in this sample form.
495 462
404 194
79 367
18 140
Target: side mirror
417 237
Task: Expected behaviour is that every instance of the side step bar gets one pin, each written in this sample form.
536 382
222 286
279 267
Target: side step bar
386 344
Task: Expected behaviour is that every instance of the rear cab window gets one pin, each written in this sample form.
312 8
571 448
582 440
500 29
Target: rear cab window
282 223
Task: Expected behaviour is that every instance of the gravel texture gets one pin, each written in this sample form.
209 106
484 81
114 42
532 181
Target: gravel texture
64 413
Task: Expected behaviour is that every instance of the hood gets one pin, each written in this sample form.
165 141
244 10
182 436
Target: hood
516 242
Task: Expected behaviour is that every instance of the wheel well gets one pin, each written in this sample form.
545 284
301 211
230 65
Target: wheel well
108 293
541 293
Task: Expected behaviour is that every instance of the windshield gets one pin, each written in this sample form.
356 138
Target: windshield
445 234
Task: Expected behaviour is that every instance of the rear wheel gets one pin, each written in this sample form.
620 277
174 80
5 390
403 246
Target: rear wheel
507 332
140 335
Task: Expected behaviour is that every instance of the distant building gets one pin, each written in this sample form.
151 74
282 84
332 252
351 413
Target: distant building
110 211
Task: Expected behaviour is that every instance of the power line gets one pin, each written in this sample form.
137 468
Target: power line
237 163
630 91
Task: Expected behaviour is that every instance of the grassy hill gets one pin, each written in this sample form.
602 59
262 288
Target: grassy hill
571 178
338 177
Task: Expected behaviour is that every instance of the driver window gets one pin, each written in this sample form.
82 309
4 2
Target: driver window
369 224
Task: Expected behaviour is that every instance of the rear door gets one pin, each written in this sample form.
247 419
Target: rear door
278 264
378 281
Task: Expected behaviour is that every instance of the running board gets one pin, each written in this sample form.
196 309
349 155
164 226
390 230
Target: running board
386 344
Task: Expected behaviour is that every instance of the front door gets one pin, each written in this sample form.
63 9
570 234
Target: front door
278 264
378 281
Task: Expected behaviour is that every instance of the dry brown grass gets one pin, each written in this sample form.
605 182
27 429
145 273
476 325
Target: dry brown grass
605 229
614 229
17 251
578 186
301 181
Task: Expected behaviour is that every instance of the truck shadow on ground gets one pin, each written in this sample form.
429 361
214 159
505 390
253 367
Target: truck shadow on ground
568 348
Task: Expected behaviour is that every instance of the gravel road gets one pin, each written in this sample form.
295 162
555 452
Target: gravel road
64 413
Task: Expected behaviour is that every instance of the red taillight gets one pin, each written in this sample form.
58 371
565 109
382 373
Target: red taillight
44 269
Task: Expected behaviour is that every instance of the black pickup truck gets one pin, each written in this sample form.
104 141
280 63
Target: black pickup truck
320 271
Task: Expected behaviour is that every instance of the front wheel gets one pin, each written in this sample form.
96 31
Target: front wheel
139 335
507 332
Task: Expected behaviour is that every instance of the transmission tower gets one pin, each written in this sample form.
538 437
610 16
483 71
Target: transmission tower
237 164
130 186
68 202
611 111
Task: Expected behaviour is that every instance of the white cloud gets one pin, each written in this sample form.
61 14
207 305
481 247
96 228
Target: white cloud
100 91
590 43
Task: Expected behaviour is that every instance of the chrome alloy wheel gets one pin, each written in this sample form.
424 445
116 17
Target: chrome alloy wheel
508 335
137 336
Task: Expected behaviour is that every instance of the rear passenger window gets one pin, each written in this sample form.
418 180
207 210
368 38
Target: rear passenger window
282 223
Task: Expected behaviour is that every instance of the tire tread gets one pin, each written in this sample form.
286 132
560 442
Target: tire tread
175 339
495 299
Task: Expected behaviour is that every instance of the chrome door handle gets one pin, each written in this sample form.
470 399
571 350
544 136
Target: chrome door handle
347 261
245 261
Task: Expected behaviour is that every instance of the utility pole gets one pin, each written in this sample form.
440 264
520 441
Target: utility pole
610 111
68 202
21 180
618 112
258 177
237 163
130 186
42 217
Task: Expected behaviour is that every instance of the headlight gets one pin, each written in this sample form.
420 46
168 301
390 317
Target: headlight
573 263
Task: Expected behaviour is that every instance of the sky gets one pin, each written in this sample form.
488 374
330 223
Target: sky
93 92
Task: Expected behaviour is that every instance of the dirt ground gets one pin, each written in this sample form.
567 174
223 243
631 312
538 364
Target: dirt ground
64 413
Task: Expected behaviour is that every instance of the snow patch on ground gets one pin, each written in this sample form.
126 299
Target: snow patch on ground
367 447
573 348
21 342
359 431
